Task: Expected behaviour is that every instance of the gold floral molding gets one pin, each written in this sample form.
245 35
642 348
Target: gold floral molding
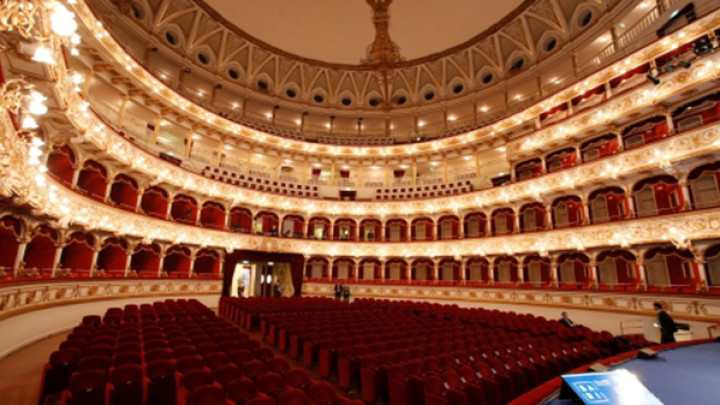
124 61
24 297
691 308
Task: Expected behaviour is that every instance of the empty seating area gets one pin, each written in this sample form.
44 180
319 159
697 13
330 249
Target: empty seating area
411 353
172 352
260 183
428 191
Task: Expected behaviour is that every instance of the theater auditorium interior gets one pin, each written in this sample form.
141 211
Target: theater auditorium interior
393 202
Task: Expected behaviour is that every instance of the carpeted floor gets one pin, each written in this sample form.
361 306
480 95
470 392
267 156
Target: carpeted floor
21 372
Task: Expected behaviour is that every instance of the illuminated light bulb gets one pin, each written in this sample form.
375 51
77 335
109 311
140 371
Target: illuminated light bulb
74 52
78 78
62 21
43 55
33 161
75 39
29 123
40 179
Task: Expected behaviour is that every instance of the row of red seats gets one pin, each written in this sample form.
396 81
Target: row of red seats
360 343
173 352
247 312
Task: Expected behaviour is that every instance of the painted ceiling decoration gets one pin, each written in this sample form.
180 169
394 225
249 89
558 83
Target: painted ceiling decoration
197 34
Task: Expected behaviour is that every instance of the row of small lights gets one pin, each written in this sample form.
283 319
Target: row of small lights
185 105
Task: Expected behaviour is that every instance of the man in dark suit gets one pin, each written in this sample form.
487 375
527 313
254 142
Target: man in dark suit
338 290
567 321
666 323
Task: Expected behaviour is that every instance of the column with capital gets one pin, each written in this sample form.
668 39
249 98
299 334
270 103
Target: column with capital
331 263
593 272
128 258
56 260
463 269
193 256
436 271
554 279
18 264
161 263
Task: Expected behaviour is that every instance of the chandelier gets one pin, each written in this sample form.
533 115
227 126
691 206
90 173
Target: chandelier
20 18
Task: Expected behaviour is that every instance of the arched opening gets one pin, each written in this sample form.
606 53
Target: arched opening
345 229
422 271
668 269
266 223
533 218
646 131
573 271
316 269
657 196
77 255
155 202
293 226
396 230
145 261
369 270
503 221
112 258
528 169
617 271
40 252
177 262
561 159
477 271
449 272
124 192
712 269
212 215
343 270
475 224
370 230
61 164
11 230
704 189
422 229
702 111
319 228
241 220
608 204
505 271
448 227
184 209
599 147
536 271
207 264
567 212
92 180
396 271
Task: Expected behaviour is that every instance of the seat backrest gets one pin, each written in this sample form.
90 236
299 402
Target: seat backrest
226 373
208 394
240 389
293 396
321 393
94 363
125 373
270 383
196 378
297 378
253 368
189 363
126 358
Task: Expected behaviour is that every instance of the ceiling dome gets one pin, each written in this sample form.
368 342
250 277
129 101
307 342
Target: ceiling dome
340 31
